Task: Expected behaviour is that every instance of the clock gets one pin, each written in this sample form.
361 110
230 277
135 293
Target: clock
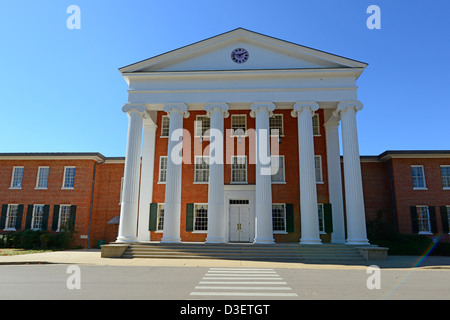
239 55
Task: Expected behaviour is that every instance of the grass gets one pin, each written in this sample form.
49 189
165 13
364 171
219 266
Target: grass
14 252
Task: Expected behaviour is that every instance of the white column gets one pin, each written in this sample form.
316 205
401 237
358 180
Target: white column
354 199
216 213
263 222
172 203
304 111
146 193
335 180
130 191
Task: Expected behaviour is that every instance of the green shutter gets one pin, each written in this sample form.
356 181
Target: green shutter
328 217
152 225
55 217
289 217
29 217
73 212
189 217
45 217
444 219
414 222
433 224
3 216
19 217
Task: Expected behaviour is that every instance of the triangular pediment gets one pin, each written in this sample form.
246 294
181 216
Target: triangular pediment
264 53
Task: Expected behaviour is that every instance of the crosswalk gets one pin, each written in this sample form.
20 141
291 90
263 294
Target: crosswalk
242 282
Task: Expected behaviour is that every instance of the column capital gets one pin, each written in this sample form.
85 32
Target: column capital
344 105
137 108
300 106
259 106
221 107
181 108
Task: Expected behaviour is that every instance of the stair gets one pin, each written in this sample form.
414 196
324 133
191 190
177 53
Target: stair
291 252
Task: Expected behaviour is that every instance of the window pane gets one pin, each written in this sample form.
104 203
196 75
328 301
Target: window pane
276 122
445 173
160 226
277 168
165 126
12 216
321 218
238 124
418 177
318 168
423 219
278 217
38 213
162 168
42 177
201 169
64 215
201 217
202 124
239 169
17 178
316 128
69 179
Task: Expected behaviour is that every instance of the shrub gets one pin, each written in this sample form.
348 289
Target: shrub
37 239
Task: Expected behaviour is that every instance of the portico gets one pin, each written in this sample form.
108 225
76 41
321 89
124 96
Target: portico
278 84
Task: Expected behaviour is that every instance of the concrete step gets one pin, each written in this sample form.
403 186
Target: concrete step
277 252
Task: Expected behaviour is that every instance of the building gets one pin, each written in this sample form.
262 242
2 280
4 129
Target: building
240 142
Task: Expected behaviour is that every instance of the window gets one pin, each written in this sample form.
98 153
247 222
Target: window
165 121
321 217
42 178
38 214
202 125
201 217
445 173
17 176
239 169
69 177
277 167
11 217
162 168
423 219
64 216
448 215
160 219
279 218
238 124
316 125
418 176
276 123
201 169
318 167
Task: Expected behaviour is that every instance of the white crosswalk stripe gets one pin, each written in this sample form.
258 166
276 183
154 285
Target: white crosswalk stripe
244 282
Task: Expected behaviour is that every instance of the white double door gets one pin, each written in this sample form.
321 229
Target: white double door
240 223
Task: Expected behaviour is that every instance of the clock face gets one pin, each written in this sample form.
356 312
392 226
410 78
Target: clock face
239 55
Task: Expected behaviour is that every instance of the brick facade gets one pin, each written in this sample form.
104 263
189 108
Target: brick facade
387 184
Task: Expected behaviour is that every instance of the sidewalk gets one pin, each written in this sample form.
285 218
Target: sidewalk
92 257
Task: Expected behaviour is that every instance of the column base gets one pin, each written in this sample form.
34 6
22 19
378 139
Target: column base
310 241
357 242
215 241
126 239
170 240
264 241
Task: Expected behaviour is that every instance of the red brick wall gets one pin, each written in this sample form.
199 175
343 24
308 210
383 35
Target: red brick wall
54 195
406 196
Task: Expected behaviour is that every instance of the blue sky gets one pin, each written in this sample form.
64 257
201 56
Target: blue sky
61 91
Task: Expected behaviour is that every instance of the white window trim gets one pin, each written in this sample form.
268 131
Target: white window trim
320 205
281 134
33 216
12 178
195 217
65 176
159 170
38 176
207 132
321 171
8 217
285 222
445 166
246 170
424 179
162 127
318 125
195 169
429 223
284 170
158 218
59 215
245 130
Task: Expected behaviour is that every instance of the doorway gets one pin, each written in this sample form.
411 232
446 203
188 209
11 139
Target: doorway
239 221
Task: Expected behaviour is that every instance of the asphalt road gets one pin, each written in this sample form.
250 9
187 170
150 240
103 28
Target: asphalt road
65 282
